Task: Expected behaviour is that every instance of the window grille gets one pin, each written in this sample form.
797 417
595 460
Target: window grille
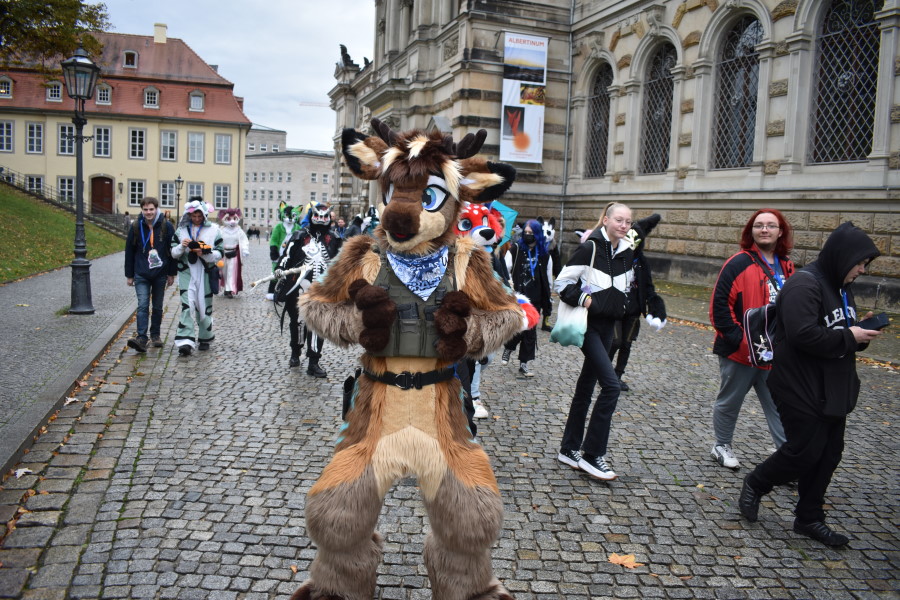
737 86
598 123
658 91
846 79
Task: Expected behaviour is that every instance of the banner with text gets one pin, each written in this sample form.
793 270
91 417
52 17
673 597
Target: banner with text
524 84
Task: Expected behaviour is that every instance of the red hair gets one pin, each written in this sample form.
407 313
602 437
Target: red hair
784 244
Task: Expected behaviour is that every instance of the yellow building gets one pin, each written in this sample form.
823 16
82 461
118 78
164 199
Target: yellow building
159 112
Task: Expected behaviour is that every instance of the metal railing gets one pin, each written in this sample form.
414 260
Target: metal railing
37 187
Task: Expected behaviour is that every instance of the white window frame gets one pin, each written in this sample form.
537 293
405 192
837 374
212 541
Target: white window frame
54 92
6 87
276 148
263 147
134 59
223 149
66 134
34 138
196 102
65 188
171 143
324 197
7 136
34 183
192 148
288 177
151 98
254 177
102 141
313 178
251 147
167 194
137 191
221 195
137 148
101 89
325 178
287 195
194 189
312 196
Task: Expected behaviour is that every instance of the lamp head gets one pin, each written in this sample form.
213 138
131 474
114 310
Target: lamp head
80 74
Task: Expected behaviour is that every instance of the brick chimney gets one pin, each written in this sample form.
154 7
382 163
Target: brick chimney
159 33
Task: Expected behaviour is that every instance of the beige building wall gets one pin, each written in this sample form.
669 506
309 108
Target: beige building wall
295 177
436 65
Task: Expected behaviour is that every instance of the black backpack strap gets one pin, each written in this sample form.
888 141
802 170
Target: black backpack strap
766 269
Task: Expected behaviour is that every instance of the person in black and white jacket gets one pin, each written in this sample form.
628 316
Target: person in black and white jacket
602 288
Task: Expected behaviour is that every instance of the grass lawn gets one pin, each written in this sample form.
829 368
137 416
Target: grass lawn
37 237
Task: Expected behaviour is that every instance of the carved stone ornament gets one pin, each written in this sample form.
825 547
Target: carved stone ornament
381 25
625 61
732 4
451 47
775 128
771 167
788 8
654 16
592 45
687 106
684 139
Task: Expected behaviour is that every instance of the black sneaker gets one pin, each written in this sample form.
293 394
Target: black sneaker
821 532
185 350
622 385
596 466
506 355
138 342
569 457
523 370
748 502
294 362
203 347
156 341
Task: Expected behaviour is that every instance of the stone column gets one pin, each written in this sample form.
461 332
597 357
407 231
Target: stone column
889 22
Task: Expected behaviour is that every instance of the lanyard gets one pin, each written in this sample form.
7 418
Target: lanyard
776 268
532 260
191 232
143 237
850 321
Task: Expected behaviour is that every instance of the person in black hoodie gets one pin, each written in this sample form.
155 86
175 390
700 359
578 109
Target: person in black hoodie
813 380
600 286
150 269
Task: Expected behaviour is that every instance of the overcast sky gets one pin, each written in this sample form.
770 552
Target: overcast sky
278 53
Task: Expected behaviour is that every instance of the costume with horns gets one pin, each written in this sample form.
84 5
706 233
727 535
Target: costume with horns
418 299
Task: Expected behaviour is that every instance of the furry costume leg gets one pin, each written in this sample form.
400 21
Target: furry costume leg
341 521
465 522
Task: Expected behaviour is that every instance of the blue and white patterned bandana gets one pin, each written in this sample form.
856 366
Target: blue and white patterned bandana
421 274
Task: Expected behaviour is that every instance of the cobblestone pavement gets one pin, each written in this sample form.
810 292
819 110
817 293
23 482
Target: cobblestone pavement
175 477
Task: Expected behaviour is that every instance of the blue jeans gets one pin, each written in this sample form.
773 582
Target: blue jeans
147 289
595 368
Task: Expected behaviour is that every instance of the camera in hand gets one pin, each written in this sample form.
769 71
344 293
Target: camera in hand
879 321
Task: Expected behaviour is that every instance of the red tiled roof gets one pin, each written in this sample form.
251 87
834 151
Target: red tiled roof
172 68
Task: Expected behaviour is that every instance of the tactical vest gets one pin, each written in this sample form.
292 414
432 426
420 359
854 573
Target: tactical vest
413 332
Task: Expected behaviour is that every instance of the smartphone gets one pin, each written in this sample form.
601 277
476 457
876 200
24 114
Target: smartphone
879 321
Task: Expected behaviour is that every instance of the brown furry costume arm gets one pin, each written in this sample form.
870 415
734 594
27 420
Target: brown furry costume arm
327 307
495 315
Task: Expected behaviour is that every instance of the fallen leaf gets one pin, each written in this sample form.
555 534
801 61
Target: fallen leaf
294 569
23 471
626 560
70 400
22 305
686 577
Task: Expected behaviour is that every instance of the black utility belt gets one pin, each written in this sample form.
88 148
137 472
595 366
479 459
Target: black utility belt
407 380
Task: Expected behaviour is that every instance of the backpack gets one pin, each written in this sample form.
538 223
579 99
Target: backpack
759 333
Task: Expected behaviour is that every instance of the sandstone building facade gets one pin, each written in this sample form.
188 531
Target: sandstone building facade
701 110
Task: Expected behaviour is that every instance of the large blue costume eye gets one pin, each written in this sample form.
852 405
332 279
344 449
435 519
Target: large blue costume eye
433 198
464 224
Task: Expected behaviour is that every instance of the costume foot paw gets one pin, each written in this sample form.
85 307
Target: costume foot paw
495 592
308 591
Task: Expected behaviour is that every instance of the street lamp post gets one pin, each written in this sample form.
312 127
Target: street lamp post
80 74
179 183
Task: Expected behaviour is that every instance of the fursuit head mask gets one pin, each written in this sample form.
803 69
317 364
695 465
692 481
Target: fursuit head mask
320 215
287 214
230 217
424 179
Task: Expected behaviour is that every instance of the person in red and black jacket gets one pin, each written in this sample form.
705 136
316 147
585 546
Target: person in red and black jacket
748 279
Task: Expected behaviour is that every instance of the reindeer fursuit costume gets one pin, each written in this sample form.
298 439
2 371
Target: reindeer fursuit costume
407 415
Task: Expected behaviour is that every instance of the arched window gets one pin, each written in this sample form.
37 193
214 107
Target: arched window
846 78
736 88
598 123
658 89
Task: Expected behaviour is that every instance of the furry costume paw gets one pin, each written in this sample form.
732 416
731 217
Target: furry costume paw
450 323
308 591
495 592
378 314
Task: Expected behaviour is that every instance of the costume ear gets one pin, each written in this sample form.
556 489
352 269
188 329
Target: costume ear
483 180
363 154
552 222
540 220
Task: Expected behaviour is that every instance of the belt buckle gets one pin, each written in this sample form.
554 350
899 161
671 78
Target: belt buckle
404 380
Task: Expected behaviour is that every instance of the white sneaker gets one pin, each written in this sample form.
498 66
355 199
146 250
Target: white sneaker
480 411
724 455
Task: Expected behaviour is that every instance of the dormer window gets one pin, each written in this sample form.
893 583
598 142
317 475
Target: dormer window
197 101
5 87
104 94
54 92
130 59
151 97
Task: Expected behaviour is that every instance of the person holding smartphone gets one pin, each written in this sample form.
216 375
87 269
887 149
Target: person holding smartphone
813 380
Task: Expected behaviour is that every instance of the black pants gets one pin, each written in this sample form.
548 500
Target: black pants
314 343
528 339
595 368
626 332
811 454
